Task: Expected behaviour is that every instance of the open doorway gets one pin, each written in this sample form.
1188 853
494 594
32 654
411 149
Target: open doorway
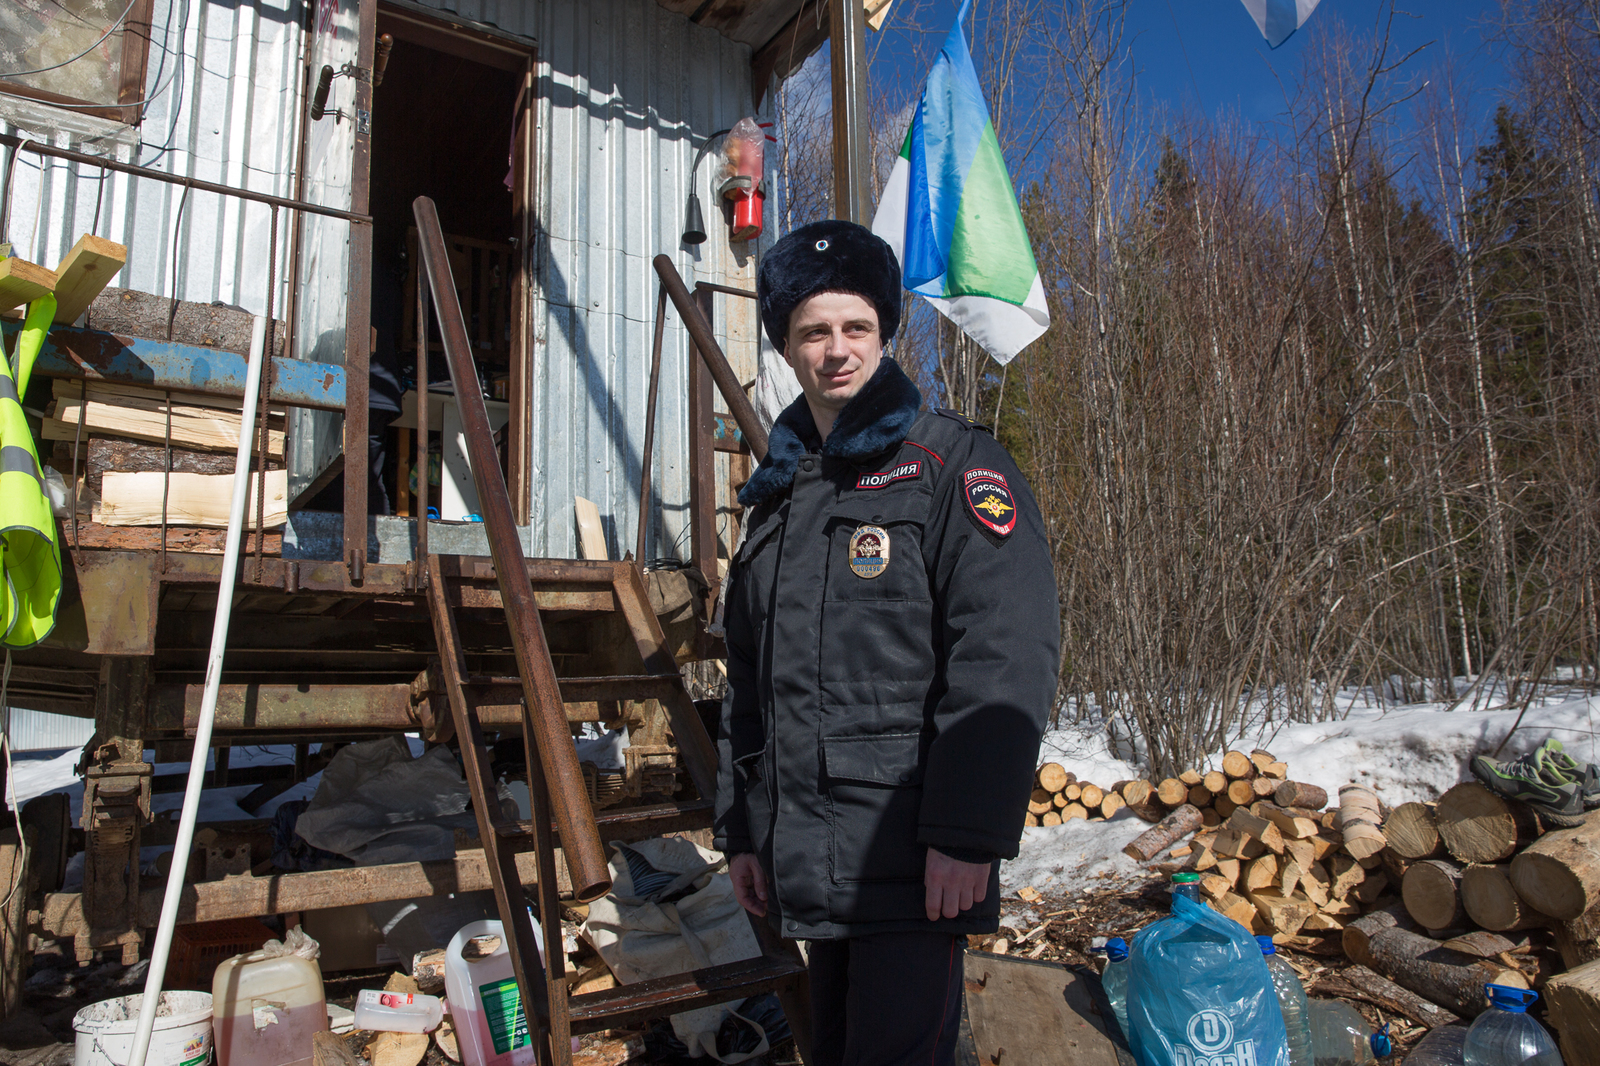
450 120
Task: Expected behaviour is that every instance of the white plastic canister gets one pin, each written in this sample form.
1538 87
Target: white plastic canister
182 1034
266 1010
485 1003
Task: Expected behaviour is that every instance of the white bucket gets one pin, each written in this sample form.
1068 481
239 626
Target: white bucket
182 1034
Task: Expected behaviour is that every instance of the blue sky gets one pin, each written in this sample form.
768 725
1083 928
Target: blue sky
1206 57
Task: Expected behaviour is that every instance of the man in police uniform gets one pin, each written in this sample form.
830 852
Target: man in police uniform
892 633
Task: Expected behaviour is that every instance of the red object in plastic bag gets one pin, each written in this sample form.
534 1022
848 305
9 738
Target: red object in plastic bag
743 157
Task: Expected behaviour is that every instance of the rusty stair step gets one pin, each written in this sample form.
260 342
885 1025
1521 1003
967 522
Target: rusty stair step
654 820
664 996
593 689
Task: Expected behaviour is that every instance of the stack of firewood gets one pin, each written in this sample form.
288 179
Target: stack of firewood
1058 796
1282 865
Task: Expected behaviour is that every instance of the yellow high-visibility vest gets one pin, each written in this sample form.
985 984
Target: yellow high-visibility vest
30 557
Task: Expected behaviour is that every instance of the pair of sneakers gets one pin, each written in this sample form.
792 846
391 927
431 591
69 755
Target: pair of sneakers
1546 779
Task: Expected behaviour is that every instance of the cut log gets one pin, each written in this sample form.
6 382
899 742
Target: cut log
1050 817
1573 1000
1074 810
1053 777
1479 826
1161 836
1431 892
81 276
1560 875
1148 812
1135 793
1242 791
1578 939
1363 840
1262 873
1040 801
1239 909
1299 794
1378 989
1216 781
193 500
1264 786
1282 914
126 456
1223 806
1323 922
1358 804
1209 817
1261 759
1359 933
1302 851
1413 833
1237 765
1030 820
1111 804
1323 845
1172 792
1279 770
1370 889
1190 778
1229 868
1492 902
1091 796
1481 944
1451 979
205 422
1236 844
1200 796
1289 874
1059 800
1344 909
1315 883
1073 791
1260 828
1214 887
1291 825
1347 876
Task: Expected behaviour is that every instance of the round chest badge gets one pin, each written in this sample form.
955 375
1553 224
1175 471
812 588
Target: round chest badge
869 551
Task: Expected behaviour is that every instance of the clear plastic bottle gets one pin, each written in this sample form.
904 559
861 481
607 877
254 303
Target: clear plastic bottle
1115 980
397 1012
1441 1047
1504 1035
1186 885
1341 1037
1292 1001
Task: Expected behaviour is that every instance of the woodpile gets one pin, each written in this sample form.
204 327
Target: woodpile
1243 780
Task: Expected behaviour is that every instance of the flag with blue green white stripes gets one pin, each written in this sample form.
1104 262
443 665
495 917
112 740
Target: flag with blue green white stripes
951 215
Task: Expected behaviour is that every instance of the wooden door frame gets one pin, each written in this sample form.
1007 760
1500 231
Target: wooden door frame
517 55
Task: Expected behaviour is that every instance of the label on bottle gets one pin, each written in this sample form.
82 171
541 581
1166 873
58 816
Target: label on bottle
502 1009
396 999
197 1052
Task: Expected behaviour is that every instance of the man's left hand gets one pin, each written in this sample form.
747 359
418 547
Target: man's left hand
953 885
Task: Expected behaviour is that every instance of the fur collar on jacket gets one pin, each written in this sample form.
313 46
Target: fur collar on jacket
876 419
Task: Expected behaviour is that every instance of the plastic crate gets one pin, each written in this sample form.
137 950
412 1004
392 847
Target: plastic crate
198 949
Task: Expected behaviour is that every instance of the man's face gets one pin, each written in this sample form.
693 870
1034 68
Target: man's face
833 347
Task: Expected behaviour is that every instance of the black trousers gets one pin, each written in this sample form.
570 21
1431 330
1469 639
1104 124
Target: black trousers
890 999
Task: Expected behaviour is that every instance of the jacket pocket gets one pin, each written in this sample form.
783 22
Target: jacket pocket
856 570
874 805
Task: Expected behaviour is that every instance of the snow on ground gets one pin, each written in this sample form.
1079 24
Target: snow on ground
1402 752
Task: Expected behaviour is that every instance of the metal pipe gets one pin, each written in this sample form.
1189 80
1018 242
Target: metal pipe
852 155
162 945
650 421
727 381
176 179
546 716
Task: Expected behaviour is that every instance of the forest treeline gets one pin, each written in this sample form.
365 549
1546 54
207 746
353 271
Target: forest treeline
1320 404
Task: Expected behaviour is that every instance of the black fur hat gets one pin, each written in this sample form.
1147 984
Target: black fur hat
828 256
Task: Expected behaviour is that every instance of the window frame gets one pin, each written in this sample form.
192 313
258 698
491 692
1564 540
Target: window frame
134 65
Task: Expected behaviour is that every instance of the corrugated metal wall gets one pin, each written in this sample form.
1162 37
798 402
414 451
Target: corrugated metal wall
221 105
627 93
41 731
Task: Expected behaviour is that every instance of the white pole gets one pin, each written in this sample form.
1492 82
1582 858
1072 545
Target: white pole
208 704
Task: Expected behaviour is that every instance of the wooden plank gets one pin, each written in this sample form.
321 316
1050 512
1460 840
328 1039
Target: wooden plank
84 274
1039 1013
23 282
135 499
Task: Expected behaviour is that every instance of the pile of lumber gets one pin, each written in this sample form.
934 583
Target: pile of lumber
1242 780
1280 865
118 435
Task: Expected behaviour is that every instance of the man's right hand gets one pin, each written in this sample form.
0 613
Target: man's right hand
749 883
